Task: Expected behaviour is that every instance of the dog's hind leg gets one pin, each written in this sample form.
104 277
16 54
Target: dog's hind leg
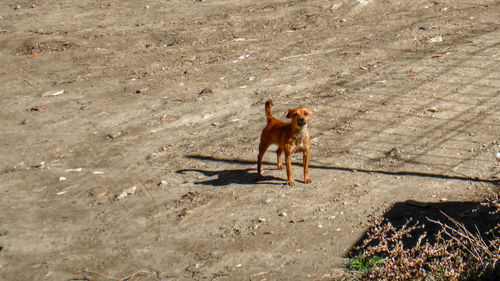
262 149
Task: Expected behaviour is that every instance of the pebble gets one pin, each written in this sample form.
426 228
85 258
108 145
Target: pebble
163 184
62 178
122 195
114 135
76 170
497 156
282 214
126 192
207 115
436 39
53 93
334 7
444 200
131 190
205 91
261 219
432 109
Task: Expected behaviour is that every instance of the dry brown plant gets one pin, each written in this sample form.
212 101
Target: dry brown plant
454 253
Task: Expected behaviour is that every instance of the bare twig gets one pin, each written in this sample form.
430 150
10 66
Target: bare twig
127 278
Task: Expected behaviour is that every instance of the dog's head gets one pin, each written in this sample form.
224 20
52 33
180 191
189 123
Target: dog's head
300 116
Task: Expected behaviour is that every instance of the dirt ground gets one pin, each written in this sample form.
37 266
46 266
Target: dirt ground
144 166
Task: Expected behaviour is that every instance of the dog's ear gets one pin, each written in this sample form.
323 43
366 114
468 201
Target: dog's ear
289 113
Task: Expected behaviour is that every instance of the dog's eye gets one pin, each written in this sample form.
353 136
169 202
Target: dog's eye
295 115
305 113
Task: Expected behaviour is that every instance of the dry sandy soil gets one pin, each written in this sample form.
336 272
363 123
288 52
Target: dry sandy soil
405 97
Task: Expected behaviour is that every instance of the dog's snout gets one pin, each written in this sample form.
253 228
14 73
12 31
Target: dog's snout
301 119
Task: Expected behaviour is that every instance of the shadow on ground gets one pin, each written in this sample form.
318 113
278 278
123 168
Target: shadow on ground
236 176
247 178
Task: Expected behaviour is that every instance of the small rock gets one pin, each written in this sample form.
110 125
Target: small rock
98 192
497 156
207 115
432 109
122 195
62 192
394 153
53 93
163 184
75 170
62 178
261 219
131 190
334 7
17 7
342 20
282 214
205 91
268 232
141 91
24 122
436 39
114 135
127 192
444 200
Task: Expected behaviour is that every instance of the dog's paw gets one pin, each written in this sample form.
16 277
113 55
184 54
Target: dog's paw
280 166
307 180
290 183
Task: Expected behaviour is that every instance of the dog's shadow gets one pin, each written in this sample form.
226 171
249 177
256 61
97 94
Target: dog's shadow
238 176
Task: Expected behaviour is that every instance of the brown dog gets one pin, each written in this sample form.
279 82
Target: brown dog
290 137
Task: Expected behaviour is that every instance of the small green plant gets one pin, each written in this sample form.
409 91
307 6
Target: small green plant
363 263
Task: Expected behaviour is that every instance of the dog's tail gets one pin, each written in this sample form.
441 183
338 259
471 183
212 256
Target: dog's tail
269 116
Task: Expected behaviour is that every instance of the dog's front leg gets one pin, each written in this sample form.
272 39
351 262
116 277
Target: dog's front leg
278 156
288 162
305 163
